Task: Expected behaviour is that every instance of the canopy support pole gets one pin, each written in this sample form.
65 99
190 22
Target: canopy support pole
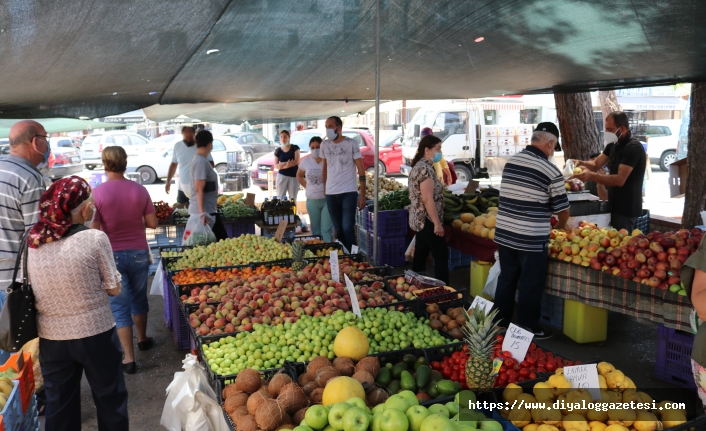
377 133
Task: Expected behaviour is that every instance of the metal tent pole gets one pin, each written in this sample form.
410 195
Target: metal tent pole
377 131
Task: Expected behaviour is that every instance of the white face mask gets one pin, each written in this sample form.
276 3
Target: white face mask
609 137
331 134
316 152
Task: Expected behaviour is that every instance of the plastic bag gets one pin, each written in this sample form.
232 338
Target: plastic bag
569 169
422 281
197 232
492 282
409 254
158 281
32 347
191 403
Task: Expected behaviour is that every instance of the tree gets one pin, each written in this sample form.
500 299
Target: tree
579 135
609 102
695 197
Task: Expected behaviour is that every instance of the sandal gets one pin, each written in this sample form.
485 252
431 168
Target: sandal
146 345
130 367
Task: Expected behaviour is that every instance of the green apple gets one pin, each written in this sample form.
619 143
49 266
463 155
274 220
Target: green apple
397 402
452 407
375 423
355 419
316 417
437 423
454 419
357 402
467 395
329 428
410 397
461 426
335 415
415 416
393 420
475 415
490 425
439 409
378 409
302 428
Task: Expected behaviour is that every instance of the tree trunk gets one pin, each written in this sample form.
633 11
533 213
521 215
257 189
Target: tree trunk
695 197
609 102
579 135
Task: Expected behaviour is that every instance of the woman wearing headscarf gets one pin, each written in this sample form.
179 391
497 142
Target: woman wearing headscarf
73 273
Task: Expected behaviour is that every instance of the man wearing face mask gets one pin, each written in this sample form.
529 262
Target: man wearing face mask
626 160
184 152
342 160
20 189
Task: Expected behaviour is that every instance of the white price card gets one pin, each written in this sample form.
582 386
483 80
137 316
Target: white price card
353 295
517 341
584 376
483 303
333 260
354 249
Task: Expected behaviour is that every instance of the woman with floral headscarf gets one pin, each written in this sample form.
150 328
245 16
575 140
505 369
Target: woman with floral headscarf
73 273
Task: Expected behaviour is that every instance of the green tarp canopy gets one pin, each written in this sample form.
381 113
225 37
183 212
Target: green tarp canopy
58 125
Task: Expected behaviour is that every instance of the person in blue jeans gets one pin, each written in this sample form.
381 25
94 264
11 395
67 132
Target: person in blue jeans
311 178
342 160
123 210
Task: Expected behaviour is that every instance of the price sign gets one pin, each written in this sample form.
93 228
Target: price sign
517 341
281 228
250 200
354 249
333 260
353 295
483 303
584 377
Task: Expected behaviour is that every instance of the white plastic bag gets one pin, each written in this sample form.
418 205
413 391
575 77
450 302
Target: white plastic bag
492 282
191 403
409 254
197 232
343 247
569 169
158 280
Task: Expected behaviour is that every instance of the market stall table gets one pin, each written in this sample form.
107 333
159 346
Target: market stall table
481 248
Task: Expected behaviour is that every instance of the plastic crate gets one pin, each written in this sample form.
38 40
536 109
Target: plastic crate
458 259
552 312
235 229
12 417
164 236
288 236
390 250
25 377
361 218
31 417
673 358
181 332
361 237
643 222
305 237
286 263
392 223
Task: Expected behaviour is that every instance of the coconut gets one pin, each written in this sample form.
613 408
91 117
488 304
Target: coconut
248 381
292 398
377 395
324 375
276 384
263 390
247 423
286 427
238 413
304 379
269 415
287 419
309 388
370 364
229 391
316 364
299 416
254 402
234 401
316 396
344 366
366 379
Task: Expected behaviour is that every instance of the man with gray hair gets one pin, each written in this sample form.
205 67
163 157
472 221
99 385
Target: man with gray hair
532 189
20 189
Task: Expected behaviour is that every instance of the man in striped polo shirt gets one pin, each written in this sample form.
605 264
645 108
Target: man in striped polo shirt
532 189
21 186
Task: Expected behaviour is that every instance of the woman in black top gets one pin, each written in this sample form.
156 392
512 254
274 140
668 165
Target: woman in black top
286 162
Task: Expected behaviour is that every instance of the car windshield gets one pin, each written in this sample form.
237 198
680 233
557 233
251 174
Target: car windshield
92 139
389 141
302 140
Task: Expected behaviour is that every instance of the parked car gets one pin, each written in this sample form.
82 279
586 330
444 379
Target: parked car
390 155
155 164
64 159
92 146
662 142
162 143
65 142
4 147
254 145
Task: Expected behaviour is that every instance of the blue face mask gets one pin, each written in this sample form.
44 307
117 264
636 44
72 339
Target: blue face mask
46 156
437 157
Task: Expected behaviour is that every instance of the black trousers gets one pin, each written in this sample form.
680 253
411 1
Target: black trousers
427 241
63 364
528 271
218 229
621 222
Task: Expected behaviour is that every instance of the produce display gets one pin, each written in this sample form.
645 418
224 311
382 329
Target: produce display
269 346
172 253
193 276
6 387
574 185
394 201
385 186
449 322
310 241
473 213
234 251
415 375
224 199
653 259
162 210
323 252
236 209
615 387
409 291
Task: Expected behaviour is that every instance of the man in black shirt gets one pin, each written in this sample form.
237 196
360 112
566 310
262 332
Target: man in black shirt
626 161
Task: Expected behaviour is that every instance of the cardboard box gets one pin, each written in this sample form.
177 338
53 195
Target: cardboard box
677 178
524 129
490 141
490 151
524 140
505 141
519 148
506 151
506 131
490 131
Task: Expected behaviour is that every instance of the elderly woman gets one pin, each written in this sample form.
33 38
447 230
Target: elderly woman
427 209
204 184
287 161
123 210
73 274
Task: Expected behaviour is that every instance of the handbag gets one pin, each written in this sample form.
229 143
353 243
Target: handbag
18 320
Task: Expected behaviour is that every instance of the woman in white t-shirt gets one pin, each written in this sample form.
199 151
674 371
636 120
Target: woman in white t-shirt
310 176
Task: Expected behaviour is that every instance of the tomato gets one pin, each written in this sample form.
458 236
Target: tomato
436 365
507 354
509 362
531 360
577 362
503 369
532 375
522 379
524 364
542 364
532 347
512 374
464 348
446 372
500 338
570 363
551 366
512 380
541 370
524 372
550 354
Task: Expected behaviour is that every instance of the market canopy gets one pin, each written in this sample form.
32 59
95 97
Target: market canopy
95 58
58 125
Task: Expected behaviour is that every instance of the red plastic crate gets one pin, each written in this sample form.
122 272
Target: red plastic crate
390 223
673 359
25 377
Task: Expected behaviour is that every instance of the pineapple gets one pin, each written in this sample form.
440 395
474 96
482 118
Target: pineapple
479 333
297 248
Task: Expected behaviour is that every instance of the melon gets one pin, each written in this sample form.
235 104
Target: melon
457 224
467 217
490 222
484 232
480 220
491 235
466 227
352 343
341 389
477 229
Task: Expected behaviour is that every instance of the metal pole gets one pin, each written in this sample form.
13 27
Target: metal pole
377 130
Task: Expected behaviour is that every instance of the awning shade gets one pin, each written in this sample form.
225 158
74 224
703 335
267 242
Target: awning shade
652 103
59 125
502 106
96 58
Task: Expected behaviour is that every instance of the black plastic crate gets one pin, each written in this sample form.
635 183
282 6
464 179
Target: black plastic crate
384 270
643 222
323 246
282 262
185 289
403 306
304 238
595 207
439 352
580 208
213 377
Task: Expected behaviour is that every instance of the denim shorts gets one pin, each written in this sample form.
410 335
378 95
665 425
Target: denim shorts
133 266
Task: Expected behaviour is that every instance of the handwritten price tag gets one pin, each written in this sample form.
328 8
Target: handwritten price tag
517 341
584 377
483 303
354 249
250 200
281 229
353 295
333 260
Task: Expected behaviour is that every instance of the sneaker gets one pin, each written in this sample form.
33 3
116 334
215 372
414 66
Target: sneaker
542 334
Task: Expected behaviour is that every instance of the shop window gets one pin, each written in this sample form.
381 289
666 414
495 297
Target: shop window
529 116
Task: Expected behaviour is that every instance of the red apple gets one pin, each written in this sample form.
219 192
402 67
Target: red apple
610 260
661 274
654 281
601 255
627 273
